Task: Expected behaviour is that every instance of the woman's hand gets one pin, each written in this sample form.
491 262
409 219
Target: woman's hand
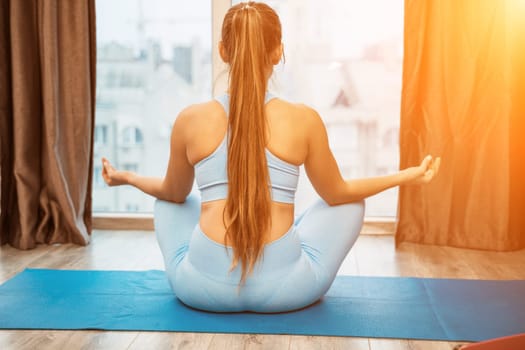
114 177
424 173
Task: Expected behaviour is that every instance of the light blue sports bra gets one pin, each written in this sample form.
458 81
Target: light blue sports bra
212 176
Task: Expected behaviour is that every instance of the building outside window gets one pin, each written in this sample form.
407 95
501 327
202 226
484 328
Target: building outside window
153 60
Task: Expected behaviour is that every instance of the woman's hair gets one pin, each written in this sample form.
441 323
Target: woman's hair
251 32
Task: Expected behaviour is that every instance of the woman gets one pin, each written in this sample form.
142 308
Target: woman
238 247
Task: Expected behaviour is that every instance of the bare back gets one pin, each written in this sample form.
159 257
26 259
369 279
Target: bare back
286 140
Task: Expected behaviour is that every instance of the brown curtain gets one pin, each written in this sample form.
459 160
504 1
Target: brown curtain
47 101
464 99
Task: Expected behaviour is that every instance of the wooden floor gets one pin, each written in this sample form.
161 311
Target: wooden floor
372 255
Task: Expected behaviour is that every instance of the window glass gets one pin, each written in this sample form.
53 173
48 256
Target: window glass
153 59
344 58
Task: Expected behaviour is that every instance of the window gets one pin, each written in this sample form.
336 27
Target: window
131 136
153 59
101 134
344 58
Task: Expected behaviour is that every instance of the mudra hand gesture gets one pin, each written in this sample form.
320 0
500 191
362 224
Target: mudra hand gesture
114 177
425 172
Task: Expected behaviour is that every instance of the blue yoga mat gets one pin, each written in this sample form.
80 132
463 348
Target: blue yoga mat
386 307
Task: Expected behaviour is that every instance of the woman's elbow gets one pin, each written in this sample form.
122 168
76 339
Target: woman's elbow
338 199
175 193
173 197
180 197
332 199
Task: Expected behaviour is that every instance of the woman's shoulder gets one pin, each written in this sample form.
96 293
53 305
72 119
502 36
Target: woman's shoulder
196 110
200 121
199 114
297 112
211 113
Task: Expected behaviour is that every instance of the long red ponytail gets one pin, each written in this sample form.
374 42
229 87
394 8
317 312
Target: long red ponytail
250 34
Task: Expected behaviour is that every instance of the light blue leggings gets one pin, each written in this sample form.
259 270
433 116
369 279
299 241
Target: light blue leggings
296 270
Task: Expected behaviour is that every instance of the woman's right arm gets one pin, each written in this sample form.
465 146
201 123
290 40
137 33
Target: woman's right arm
178 181
323 171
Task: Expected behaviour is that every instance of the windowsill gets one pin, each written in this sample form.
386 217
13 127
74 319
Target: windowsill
123 221
144 222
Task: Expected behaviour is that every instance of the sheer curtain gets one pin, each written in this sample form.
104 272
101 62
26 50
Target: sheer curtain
464 99
47 103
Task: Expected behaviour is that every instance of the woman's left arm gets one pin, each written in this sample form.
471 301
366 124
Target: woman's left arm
178 181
